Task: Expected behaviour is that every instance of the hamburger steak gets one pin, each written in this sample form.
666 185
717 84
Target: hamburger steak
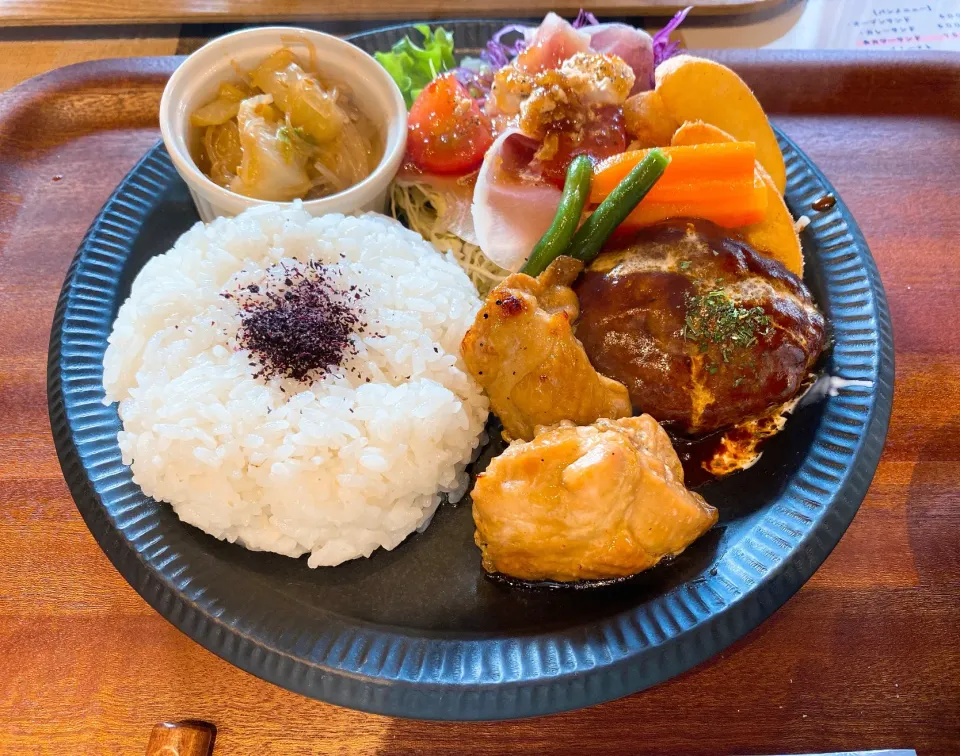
702 330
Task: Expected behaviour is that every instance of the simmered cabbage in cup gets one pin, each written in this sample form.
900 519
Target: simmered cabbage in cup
282 133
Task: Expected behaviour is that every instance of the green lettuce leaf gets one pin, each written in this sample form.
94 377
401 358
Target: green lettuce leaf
412 66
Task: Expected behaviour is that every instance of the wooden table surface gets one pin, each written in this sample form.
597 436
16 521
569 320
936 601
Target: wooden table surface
864 656
75 12
25 53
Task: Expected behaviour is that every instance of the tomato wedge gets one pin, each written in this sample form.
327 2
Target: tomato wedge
603 136
447 132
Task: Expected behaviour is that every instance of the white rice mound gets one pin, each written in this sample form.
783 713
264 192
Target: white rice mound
335 468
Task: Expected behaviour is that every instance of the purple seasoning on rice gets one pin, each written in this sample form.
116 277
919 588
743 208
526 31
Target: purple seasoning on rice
301 327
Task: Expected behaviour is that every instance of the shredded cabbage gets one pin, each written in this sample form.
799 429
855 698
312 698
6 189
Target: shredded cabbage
420 207
497 53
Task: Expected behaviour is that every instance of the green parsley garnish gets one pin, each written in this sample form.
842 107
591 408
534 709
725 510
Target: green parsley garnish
286 146
684 264
715 318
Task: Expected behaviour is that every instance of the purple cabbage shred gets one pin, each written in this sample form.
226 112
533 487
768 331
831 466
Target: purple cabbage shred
584 18
663 48
478 83
519 28
497 54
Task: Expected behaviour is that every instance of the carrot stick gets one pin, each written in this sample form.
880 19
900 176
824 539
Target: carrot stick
704 190
730 211
689 167
715 182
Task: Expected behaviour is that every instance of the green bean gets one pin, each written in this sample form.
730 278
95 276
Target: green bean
610 213
576 190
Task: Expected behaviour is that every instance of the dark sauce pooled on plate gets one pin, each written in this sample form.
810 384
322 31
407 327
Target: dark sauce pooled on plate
825 202
722 453
694 453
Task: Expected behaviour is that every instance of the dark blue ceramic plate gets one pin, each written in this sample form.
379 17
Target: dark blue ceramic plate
419 631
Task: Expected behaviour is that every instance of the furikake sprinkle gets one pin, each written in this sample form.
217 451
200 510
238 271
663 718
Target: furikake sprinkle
300 324
715 318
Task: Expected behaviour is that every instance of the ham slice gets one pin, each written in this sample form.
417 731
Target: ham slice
511 209
457 215
550 44
556 40
633 45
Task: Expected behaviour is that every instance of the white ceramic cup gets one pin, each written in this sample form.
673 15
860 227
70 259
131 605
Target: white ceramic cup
195 83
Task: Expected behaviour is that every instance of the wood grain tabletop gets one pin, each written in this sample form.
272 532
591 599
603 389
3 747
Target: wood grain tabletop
75 12
864 656
25 53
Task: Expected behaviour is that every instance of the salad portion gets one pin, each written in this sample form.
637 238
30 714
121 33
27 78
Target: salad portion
490 138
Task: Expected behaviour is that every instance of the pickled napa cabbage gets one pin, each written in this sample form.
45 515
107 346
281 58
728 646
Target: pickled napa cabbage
283 133
270 168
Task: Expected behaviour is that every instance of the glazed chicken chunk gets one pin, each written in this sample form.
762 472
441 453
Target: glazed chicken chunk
522 350
583 503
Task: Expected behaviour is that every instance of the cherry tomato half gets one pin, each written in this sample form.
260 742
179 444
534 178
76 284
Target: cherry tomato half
447 132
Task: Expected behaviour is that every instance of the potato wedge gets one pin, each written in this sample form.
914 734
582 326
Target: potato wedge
776 235
696 89
648 121
698 132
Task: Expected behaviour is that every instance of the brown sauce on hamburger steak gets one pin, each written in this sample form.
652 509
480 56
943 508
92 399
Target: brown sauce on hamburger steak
703 331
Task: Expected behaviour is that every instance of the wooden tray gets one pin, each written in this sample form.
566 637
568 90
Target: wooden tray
87 667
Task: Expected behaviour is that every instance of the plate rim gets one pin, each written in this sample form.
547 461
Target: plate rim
447 698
